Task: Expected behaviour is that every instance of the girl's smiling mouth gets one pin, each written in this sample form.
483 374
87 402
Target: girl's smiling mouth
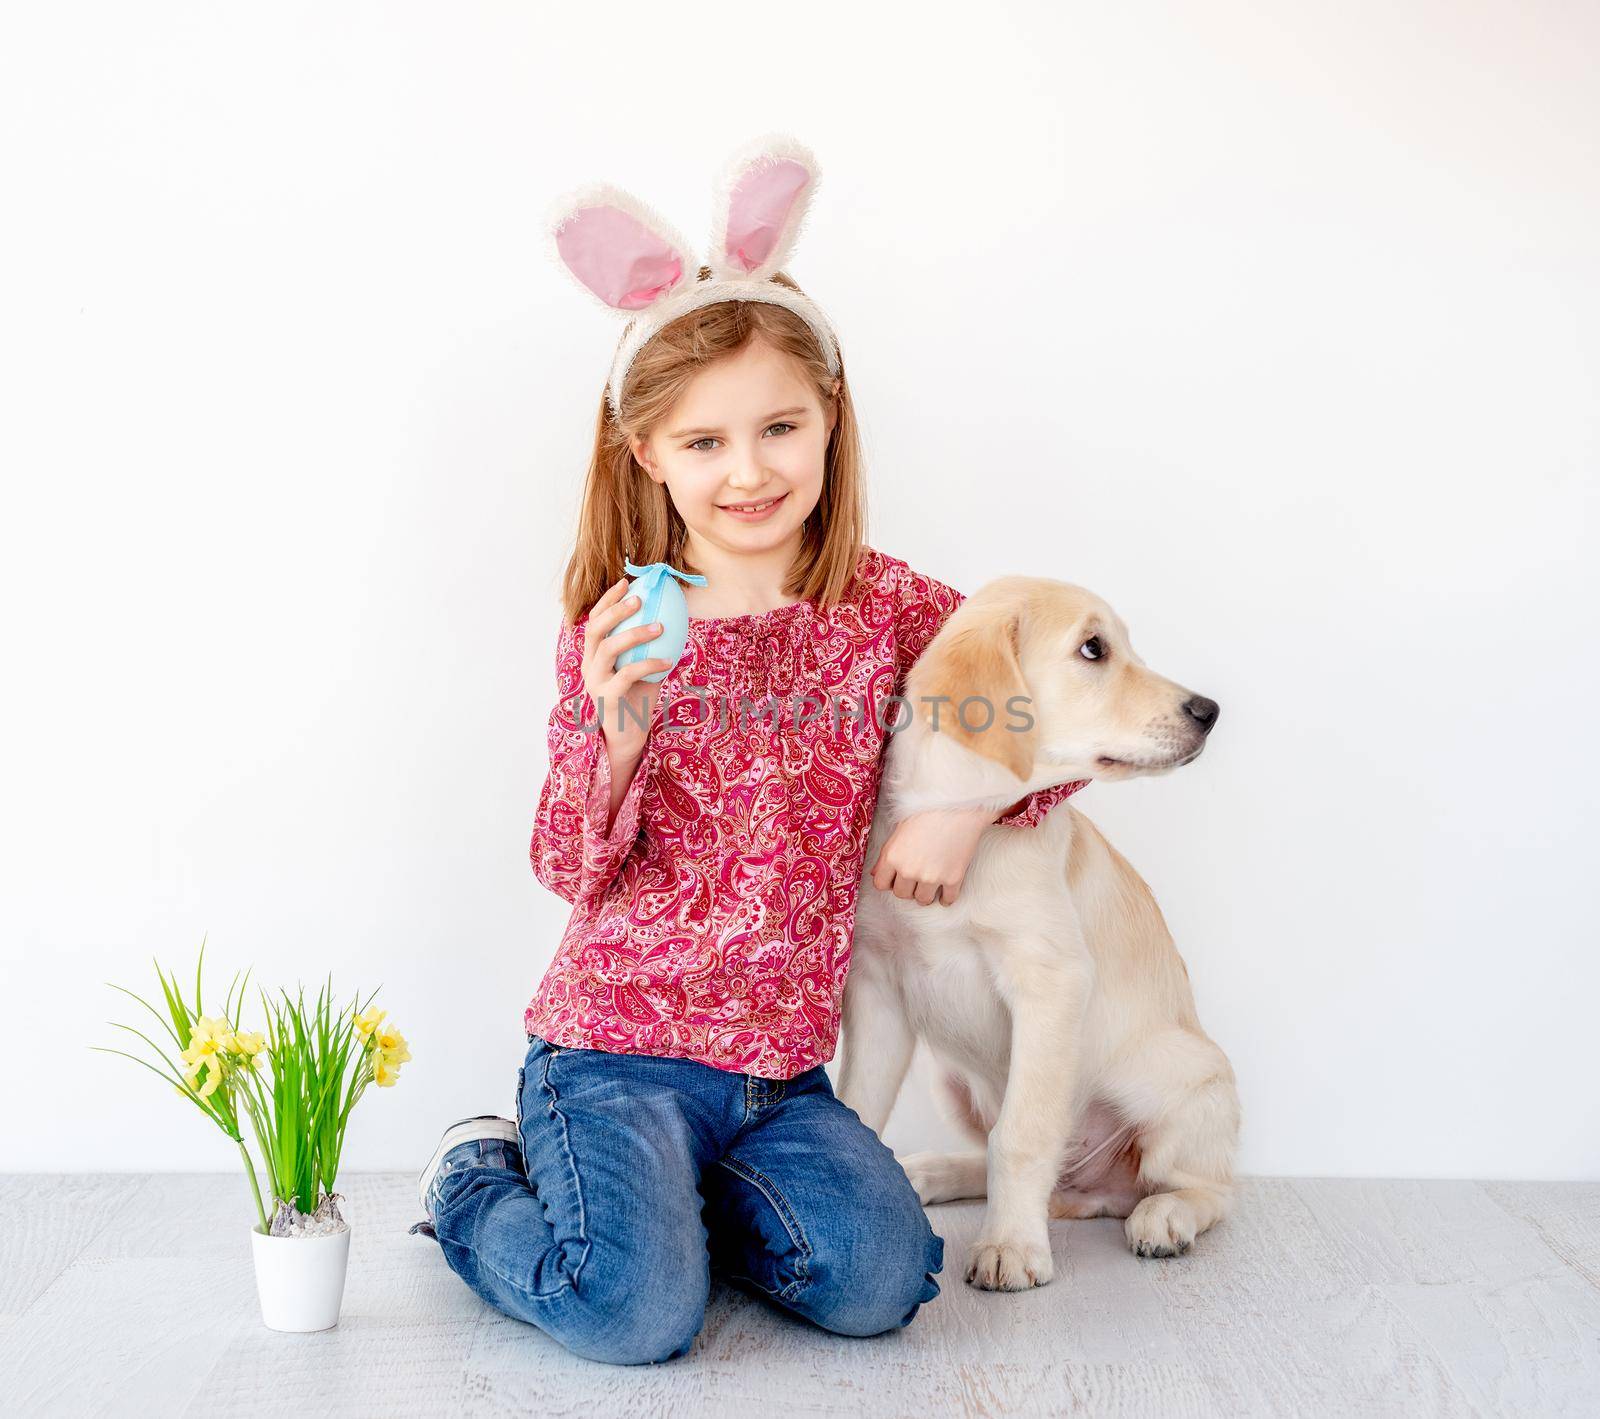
753 512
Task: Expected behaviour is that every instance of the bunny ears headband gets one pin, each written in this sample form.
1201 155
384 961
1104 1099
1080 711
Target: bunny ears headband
633 263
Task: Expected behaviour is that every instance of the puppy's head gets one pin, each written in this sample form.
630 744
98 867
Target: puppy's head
1032 648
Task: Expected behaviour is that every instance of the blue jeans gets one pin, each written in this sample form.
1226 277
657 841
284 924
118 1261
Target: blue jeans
640 1175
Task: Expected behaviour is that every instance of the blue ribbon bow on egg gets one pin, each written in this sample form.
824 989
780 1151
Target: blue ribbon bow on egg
660 599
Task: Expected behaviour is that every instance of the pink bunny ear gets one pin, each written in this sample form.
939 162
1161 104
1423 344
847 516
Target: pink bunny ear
761 202
617 249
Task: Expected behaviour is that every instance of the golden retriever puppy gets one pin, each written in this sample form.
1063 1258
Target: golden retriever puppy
1049 990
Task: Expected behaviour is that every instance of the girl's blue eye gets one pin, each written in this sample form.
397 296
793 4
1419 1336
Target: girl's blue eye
696 444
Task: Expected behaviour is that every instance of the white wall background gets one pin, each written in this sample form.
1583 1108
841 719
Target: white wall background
1279 326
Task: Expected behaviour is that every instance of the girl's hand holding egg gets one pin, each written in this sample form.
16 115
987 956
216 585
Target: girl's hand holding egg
625 699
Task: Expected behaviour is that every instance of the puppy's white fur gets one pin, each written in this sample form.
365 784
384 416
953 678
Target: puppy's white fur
1050 990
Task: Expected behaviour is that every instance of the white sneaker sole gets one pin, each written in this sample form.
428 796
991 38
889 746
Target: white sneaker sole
467 1131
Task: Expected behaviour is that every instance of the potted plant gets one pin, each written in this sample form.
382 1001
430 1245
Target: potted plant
294 1084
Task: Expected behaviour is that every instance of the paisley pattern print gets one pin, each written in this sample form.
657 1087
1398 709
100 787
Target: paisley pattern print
713 921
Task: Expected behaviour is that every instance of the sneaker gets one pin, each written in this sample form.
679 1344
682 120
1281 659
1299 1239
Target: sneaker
497 1143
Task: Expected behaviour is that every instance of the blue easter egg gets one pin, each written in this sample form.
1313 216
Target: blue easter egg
660 599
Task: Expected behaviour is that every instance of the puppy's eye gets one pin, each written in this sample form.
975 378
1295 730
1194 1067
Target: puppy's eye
1093 649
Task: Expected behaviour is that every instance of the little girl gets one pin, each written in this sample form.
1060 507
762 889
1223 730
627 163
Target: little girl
673 1116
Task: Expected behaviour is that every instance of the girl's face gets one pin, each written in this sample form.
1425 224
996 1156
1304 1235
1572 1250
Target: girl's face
749 429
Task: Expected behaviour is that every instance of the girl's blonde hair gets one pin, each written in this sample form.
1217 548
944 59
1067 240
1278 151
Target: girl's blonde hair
625 512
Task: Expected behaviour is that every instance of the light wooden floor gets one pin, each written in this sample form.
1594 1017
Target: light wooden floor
134 1294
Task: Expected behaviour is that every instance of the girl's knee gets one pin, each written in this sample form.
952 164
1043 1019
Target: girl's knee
620 1317
631 1304
875 1281
637 1335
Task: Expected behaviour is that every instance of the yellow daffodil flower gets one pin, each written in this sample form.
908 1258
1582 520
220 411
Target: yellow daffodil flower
249 1043
209 1044
390 1051
392 1043
206 1046
367 1021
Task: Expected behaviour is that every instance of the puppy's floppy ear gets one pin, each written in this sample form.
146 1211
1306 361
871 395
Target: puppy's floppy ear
976 655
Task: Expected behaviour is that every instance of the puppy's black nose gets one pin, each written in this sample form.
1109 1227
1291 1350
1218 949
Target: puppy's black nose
1202 711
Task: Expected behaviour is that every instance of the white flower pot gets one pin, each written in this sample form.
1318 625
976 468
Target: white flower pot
300 1280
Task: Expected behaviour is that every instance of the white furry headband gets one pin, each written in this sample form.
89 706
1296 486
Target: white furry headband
634 263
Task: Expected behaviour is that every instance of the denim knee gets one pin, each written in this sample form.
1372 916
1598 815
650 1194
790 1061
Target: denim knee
866 1280
630 1304
619 1316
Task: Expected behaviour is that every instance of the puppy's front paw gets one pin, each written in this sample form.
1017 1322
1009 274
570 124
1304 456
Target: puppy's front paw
922 1172
1162 1225
1010 1265
943 1177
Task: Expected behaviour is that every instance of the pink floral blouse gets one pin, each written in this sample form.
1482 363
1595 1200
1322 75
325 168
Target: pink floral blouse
713 921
